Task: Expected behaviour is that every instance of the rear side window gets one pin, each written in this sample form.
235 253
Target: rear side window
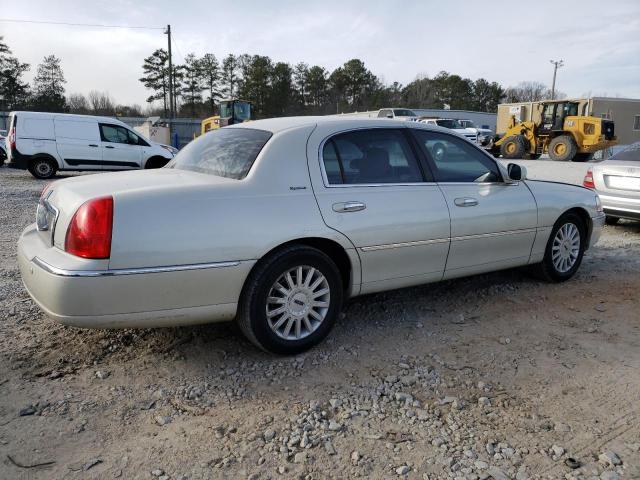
370 157
226 152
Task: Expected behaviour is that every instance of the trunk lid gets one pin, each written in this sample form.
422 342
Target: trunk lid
620 177
65 196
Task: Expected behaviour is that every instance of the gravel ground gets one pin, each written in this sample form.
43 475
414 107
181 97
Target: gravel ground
495 376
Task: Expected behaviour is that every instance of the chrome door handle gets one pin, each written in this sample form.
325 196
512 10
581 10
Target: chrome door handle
466 202
348 206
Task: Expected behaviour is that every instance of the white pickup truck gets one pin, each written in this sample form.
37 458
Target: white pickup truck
485 135
455 125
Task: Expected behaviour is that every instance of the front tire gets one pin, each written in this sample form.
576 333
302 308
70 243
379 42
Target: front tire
513 147
43 168
564 251
562 148
291 300
609 220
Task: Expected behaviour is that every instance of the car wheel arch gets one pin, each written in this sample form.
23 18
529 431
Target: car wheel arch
334 250
587 223
48 156
154 161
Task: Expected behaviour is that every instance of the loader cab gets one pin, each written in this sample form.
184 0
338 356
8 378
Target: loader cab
235 111
553 115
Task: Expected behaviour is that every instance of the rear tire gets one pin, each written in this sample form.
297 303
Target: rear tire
307 314
609 220
562 148
43 168
513 147
564 251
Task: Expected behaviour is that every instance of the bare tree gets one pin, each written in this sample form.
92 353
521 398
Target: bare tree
77 103
101 103
530 92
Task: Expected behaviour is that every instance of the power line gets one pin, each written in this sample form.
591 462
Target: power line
68 24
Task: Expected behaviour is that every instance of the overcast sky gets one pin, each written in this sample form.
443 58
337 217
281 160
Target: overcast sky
507 42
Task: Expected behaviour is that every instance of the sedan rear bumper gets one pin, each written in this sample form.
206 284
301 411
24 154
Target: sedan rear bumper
619 206
153 297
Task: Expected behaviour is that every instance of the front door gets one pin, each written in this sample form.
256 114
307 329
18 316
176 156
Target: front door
371 187
493 222
120 148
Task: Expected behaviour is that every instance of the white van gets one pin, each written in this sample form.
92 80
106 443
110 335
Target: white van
44 143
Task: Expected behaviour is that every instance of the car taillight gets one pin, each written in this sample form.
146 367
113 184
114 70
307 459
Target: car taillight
12 138
588 180
89 233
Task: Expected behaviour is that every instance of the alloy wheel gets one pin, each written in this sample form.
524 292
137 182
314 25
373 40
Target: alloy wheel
298 302
566 247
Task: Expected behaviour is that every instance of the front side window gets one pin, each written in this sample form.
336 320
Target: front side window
455 159
114 134
370 157
225 152
448 123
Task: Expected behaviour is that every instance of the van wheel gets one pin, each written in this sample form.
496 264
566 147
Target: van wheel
43 168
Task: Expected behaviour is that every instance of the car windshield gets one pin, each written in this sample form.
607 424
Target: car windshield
632 152
403 112
226 152
449 123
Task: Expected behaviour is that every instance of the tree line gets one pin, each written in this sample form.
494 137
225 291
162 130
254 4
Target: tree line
274 88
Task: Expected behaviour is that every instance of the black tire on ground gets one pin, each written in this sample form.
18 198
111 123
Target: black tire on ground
513 147
43 168
547 270
583 157
563 148
156 162
609 220
252 308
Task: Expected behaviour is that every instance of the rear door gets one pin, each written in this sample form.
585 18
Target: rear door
493 223
370 186
121 149
78 143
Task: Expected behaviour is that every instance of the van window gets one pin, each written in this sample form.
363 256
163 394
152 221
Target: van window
77 130
119 134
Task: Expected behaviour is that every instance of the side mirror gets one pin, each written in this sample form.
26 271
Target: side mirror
516 172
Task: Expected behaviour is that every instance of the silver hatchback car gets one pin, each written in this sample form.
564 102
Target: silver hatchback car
617 181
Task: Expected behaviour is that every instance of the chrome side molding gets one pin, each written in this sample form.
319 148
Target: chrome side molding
129 271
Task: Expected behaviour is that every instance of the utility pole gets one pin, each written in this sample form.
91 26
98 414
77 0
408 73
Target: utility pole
556 65
168 33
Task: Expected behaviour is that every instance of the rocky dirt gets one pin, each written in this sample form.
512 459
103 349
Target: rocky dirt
495 376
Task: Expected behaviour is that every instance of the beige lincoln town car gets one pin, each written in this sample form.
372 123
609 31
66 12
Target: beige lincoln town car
276 222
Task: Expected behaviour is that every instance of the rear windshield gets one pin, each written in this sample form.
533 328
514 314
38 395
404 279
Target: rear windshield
226 152
632 152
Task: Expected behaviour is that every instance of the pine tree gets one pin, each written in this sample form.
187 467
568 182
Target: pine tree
13 91
48 86
210 76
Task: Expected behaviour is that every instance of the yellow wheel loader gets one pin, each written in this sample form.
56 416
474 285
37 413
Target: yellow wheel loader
232 111
558 130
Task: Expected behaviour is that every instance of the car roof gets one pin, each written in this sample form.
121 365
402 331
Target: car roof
275 125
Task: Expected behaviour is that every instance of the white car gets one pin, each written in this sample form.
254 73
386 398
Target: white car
276 222
45 143
453 124
402 114
485 135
